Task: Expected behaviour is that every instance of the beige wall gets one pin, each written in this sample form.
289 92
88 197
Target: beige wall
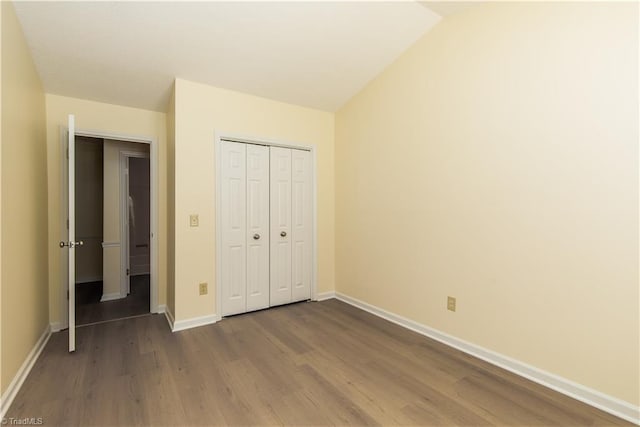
25 312
2 386
111 225
108 118
200 112
497 161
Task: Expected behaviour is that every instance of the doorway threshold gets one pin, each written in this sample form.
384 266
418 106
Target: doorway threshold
114 320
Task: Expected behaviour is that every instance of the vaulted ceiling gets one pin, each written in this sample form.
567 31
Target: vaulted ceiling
315 54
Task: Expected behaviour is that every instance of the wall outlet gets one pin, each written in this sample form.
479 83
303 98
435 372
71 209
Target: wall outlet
194 221
451 304
204 288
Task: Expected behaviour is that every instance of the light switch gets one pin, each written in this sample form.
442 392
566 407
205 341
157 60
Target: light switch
193 220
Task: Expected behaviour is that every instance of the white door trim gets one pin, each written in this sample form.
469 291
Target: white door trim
124 217
220 136
154 165
71 231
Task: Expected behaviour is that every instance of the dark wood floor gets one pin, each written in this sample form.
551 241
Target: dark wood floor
315 363
89 309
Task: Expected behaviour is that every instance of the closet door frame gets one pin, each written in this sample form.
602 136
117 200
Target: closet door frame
224 136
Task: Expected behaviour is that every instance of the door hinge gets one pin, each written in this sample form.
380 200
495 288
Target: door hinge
67 223
67 153
127 271
67 294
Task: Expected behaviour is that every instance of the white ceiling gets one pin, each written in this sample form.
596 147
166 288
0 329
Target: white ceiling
316 54
448 7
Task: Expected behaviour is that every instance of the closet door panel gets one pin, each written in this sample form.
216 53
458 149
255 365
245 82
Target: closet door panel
280 210
301 224
234 228
257 227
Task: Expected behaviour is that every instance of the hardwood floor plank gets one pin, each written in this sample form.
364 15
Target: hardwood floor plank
340 409
296 409
196 397
305 364
383 406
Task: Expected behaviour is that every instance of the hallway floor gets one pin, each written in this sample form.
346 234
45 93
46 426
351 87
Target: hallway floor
89 309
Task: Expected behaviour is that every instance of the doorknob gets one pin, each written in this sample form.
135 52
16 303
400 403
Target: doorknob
283 233
256 236
71 244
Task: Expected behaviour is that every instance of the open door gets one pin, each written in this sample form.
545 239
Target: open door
71 244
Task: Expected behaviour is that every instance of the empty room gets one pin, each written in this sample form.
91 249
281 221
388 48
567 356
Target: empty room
320 213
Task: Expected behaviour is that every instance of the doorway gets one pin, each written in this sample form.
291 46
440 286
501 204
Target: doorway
112 220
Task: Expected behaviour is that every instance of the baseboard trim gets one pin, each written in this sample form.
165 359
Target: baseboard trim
592 397
194 322
161 309
56 327
139 273
111 297
89 280
23 372
169 316
322 296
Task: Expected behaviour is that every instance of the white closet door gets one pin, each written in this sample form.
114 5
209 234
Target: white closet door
257 227
302 227
280 225
234 228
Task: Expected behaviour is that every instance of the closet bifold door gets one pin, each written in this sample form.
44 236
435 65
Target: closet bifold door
301 224
234 227
280 201
257 227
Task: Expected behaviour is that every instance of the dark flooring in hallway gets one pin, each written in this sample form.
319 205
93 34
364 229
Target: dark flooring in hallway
89 309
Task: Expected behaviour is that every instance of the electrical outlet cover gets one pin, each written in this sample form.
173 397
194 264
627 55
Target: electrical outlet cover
451 304
203 289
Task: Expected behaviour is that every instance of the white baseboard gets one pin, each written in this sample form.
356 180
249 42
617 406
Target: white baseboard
56 327
23 372
140 273
592 397
111 297
169 316
321 296
194 322
161 309
88 280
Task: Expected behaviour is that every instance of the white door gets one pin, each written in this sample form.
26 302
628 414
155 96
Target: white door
301 224
71 243
280 209
257 227
234 227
